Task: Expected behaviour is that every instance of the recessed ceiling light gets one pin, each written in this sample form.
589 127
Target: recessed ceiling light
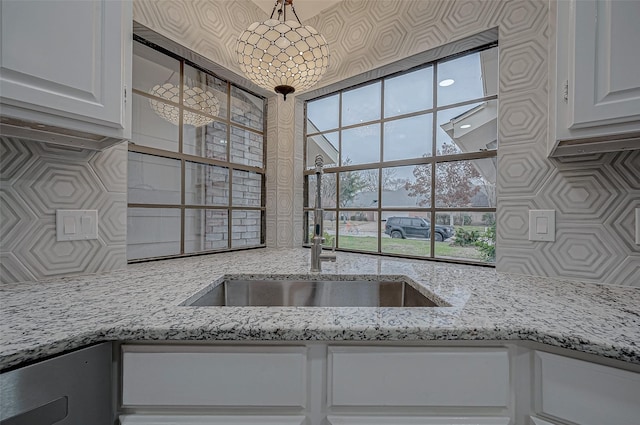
465 126
446 83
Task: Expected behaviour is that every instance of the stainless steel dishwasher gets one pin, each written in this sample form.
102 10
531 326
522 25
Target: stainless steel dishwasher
71 389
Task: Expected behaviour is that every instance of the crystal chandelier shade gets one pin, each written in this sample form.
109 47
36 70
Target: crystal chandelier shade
194 98
280 55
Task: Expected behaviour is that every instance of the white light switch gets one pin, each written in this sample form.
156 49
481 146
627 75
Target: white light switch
69 225
73 225
542 225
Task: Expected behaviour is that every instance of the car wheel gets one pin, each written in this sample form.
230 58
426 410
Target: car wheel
396 234
439 237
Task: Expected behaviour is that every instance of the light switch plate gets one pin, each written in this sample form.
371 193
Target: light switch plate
73 225
542 225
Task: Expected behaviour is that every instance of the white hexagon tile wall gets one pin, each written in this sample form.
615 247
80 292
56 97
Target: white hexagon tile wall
36 179
594 197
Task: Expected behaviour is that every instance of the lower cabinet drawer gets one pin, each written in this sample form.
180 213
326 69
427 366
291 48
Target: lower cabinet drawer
405 420
585 393
214 376
209 420
414 376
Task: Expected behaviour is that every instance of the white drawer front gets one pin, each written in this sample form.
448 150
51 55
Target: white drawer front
210 420
585 393
405 420
381 376
214 376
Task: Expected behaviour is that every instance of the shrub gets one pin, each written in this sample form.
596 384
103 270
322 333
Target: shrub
489 219
487 244
465 237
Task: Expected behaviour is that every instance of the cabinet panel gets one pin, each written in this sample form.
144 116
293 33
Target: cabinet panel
66 65
537 421
606 86
585 393
74 58
596 94
404 420
380 376
214 376
210 420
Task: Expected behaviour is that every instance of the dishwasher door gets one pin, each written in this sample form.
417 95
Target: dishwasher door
71 389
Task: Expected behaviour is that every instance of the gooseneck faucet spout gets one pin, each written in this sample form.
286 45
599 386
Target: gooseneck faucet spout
317 257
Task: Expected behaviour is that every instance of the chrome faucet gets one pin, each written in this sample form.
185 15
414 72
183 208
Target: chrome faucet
317 256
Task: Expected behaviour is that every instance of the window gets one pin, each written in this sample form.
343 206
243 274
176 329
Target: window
406 151
196 167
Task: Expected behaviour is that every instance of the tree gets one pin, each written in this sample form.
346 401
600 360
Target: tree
456 181
389 180
351 184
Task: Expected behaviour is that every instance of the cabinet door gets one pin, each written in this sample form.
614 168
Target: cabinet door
606 81
68 59
584 393
597 90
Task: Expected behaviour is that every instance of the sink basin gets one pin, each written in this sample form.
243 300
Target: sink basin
312 293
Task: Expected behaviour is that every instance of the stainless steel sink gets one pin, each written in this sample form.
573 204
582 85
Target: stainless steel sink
308 293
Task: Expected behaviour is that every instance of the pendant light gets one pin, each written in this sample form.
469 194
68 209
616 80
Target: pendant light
282 55
193 97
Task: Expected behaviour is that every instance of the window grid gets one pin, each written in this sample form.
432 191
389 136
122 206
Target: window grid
433 160
230 166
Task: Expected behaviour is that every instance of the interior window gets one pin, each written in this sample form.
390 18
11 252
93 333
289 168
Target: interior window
195 170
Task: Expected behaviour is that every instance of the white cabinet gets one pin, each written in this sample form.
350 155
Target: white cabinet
315 384
405 420
596 95
537 421
327 384
65 68
214 376
210 420
418 376
584 393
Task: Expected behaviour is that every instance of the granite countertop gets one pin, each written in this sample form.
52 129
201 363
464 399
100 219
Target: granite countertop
142 302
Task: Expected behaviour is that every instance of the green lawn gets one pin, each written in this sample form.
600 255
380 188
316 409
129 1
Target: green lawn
418 247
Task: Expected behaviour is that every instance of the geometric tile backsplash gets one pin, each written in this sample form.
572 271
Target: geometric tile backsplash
594 196
36 179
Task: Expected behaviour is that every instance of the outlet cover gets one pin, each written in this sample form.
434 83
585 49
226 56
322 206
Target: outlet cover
542 225
74 225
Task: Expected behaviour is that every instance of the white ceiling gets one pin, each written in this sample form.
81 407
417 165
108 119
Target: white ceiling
305 9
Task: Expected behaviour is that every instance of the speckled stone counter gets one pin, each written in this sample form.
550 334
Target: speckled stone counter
142 302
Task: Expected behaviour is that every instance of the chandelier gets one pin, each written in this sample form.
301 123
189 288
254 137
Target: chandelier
193 97
280 55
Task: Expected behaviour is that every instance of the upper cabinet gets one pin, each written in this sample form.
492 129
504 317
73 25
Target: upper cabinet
596 95
65 69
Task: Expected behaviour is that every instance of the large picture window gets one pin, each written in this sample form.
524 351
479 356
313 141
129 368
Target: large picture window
410 161
196 161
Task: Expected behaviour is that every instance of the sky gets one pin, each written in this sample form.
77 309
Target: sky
407 93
